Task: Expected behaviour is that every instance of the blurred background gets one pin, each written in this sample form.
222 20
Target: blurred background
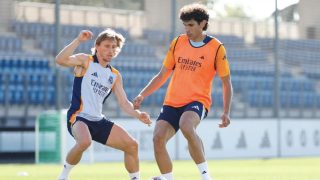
272 47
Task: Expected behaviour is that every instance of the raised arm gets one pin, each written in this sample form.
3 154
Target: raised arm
155 83
66 57
126 105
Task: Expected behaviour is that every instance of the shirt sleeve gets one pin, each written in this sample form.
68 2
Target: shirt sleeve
117 73
222 64
168 61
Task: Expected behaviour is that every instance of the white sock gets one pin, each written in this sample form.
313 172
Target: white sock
65 171
168 176
203 169
134 176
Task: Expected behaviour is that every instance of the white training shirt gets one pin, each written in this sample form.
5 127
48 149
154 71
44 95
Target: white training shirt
91 90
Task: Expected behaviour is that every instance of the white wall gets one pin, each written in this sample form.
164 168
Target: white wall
309 17
242 139
159 14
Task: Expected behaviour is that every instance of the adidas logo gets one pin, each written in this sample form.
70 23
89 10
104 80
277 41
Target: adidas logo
195 107
134 178
202 57
204 172
224 57
95 74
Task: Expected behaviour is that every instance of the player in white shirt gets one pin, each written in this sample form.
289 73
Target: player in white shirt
94 80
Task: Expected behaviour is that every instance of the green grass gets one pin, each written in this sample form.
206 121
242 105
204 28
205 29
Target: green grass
270 169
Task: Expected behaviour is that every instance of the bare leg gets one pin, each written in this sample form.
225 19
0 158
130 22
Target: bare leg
83 140
121 140
188 123
162 133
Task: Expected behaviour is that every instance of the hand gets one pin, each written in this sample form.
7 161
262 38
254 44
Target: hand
225 121
145 118
85 35
137 101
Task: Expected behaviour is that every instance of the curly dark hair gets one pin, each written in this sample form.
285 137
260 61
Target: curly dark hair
197 12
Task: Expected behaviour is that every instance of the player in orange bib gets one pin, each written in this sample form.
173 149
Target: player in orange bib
193 60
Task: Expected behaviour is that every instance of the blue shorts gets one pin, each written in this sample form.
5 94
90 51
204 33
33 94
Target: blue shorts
99 130
172 114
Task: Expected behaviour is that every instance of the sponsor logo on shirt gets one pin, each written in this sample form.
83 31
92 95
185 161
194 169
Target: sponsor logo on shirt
95 74
98 88
188 64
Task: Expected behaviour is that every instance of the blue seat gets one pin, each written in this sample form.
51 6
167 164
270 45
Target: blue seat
32 95
309 99
51 95
17 27
41 95
34 79
267 99
30 65
2 95
130 93
15 78
159 98
217 99
294 100
51 77
15 94
7 64
308 86
317 100
260 98
2 44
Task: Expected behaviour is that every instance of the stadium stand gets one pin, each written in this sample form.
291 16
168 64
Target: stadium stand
8 43
251 67
28 75
27 80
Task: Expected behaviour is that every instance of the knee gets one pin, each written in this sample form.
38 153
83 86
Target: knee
84 144
188 131
158 141
132 147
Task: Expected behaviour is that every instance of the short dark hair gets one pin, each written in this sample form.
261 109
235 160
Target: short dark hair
195 11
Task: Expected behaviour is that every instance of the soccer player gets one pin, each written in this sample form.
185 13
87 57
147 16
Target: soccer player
94 80
193 60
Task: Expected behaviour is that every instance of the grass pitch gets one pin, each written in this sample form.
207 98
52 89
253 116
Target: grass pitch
270 169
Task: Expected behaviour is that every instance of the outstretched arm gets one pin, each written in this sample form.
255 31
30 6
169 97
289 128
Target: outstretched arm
227 96
126 105
66 57
155 83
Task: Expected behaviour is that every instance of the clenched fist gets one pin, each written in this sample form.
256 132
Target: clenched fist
85 35
225 121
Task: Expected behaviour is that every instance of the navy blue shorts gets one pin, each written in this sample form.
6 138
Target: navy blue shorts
99 130
172 114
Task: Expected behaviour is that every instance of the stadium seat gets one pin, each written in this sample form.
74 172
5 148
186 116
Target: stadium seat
51 96
16 94
2 95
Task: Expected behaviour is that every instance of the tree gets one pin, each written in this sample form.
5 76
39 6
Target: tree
222 9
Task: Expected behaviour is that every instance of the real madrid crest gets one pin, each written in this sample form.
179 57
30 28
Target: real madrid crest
110 79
